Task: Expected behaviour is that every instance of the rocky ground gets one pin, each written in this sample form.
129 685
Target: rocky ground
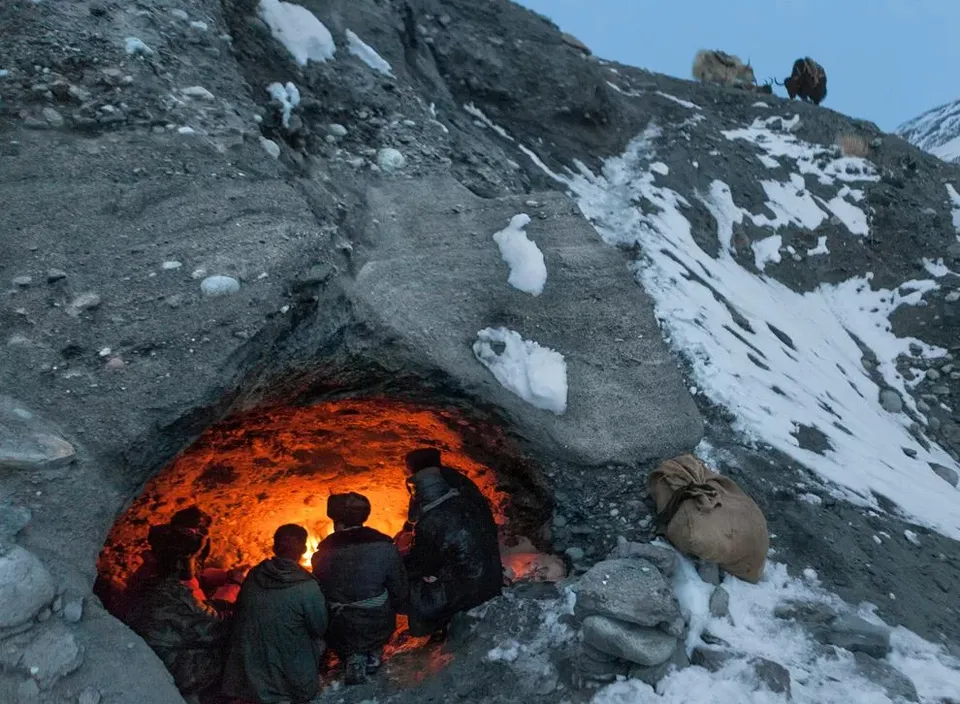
141 154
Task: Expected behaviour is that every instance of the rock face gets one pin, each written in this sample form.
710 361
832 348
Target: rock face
434 292
359 257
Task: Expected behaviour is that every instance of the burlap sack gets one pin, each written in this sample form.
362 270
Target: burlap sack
710 517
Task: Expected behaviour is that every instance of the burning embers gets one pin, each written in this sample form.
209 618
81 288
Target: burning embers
256 472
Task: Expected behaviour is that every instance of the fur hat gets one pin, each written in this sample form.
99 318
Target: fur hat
351 509
174 542
422 458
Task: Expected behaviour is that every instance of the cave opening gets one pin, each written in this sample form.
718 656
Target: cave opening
257 470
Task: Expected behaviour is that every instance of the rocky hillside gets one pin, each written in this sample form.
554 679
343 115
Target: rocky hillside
214 206
936 131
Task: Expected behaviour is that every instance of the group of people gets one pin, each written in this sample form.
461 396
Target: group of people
259 636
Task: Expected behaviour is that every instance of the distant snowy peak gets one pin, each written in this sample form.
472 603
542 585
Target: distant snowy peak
936 131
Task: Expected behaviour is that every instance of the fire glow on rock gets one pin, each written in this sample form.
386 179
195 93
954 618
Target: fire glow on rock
257 471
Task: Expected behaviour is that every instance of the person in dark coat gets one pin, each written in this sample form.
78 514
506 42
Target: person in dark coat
174 617
365 584
275 648
454 560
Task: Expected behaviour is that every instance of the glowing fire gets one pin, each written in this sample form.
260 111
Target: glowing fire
255 472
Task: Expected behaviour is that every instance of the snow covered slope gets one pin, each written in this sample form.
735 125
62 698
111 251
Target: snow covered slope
936 131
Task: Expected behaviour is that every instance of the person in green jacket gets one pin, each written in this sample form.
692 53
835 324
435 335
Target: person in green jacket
281 616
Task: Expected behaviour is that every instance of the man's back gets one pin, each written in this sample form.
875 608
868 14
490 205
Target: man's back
357 564
281 613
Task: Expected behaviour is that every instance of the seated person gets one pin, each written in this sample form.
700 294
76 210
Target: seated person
174 618
363 579
281 616
117 599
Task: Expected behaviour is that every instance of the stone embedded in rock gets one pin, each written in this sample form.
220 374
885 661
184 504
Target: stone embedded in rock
665 559
270 147
73 611
90 695
219 286
890 401
54 275
945 473
54 654
630 590
85 301
637 644
25 587
22 281
27 442
853 633
389 159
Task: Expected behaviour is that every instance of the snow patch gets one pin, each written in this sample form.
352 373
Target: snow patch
679 101
810 159
367 54
536 374
486 121
766 251
298 29
819 674
776 371
821 247
528 271
955 200
288 95
937 269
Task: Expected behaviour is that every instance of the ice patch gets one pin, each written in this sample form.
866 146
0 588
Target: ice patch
781 361
298 29
769 161
536 374
821 247
528 272
955 200
486 121
133 45
288 95
367 54
660 168
766 251
819 674
679 101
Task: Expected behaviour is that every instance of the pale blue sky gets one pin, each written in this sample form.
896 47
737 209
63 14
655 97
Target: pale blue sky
886 60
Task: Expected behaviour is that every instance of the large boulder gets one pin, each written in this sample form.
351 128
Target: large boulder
630 590
431 276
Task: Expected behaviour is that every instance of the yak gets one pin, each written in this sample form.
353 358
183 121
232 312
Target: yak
719 67
808 81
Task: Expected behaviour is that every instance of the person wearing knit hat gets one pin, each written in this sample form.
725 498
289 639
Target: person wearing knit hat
365 585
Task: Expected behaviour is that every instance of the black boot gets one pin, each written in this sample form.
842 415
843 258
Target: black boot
356 667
